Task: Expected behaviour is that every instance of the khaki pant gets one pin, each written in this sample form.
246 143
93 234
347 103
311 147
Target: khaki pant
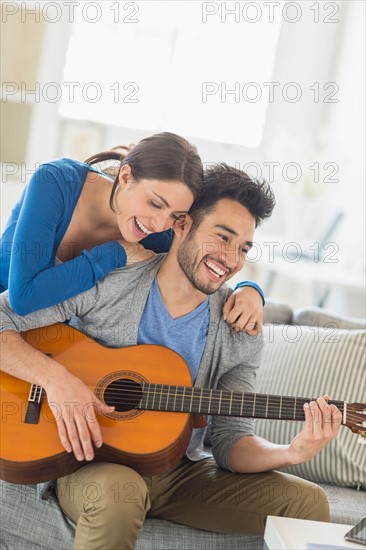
109 502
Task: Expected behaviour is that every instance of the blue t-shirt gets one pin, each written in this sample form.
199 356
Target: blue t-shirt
34 232
158 327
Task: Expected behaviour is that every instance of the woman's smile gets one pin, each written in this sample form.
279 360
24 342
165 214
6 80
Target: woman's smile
140 229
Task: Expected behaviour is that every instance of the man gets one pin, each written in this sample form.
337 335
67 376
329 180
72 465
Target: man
176 300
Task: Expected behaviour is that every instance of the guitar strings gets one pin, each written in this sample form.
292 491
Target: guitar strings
285 415
245 400
235 404
156 387
284 407
233 397
351 417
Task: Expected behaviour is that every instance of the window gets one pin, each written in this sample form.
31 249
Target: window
171 66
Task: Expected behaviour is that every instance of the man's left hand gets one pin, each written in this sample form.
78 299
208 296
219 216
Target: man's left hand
322 422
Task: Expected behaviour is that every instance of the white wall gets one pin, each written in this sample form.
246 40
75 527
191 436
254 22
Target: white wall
307 53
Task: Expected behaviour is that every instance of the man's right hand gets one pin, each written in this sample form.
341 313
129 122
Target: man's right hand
75 409
73 405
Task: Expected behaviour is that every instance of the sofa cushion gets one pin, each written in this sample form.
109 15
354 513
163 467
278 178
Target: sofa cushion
277 312
310 362
28 522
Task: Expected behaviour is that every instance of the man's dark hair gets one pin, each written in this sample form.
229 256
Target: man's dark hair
225 182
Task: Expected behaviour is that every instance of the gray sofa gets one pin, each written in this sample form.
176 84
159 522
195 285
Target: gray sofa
298 355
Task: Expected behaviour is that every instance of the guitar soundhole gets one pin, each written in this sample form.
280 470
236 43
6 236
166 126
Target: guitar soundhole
124 394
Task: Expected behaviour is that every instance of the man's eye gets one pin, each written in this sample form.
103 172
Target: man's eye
244 251
224 238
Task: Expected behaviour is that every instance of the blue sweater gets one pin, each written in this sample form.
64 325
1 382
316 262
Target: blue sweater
34 232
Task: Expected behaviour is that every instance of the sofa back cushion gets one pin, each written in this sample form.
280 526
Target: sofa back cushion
316 316
310 362
277 312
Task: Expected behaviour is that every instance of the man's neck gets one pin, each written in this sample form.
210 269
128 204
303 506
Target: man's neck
178 294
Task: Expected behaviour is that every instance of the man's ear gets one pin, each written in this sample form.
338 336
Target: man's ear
182 226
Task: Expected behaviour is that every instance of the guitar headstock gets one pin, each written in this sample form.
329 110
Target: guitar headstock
356 419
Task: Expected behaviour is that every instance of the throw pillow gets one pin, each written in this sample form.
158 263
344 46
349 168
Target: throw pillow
309 362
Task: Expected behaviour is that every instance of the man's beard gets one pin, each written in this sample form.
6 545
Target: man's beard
188 260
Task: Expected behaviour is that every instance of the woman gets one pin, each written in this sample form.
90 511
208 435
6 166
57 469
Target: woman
72 226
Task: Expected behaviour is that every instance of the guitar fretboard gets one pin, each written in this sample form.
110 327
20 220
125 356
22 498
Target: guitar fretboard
161 397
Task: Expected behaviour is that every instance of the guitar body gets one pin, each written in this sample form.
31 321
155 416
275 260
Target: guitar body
148 385
148 441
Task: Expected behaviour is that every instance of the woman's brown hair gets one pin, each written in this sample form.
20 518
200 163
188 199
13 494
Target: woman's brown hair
163 156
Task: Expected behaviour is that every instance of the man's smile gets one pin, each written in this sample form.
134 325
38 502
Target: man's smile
215 270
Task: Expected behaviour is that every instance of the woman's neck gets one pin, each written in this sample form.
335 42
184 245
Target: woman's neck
94 204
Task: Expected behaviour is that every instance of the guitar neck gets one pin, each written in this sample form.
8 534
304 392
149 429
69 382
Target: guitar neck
162 397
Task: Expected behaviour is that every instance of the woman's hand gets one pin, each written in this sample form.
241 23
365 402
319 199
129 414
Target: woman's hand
136 252
244 310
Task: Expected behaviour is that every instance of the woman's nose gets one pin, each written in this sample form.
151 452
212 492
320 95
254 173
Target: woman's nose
162 222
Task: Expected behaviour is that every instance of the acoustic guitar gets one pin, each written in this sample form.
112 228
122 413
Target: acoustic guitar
151 389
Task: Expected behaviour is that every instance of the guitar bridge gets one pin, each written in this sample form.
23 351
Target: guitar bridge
35 398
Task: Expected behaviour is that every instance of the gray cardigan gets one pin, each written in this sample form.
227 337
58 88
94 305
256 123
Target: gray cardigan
111 312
